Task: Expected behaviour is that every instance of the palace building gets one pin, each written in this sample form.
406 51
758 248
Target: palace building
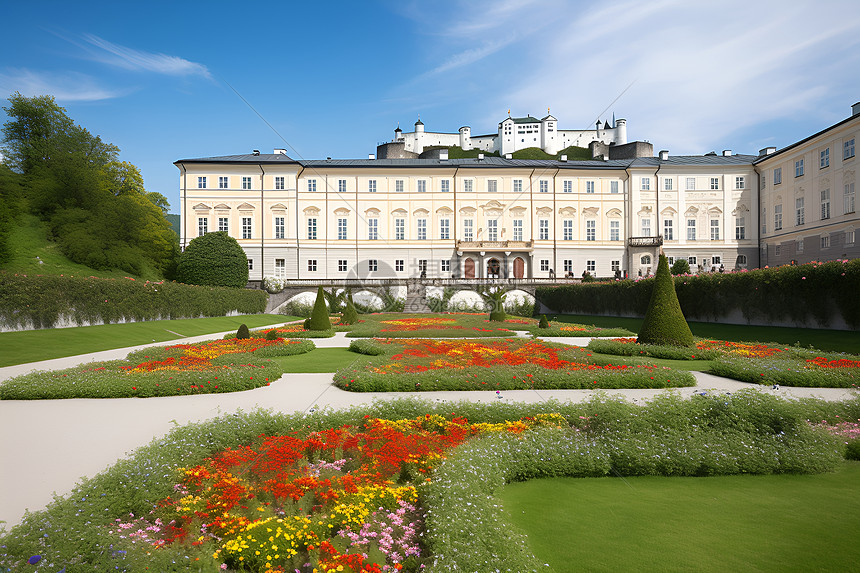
498 217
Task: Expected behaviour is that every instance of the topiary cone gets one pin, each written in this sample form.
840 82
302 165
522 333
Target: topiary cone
350 315
544 323
243 332
319 317
664 321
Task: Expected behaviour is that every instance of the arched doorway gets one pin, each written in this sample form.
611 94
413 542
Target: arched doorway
493 268
519 268
469 268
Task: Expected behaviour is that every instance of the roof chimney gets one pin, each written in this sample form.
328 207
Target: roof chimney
563 158
371 156
443 155
256 152
766 151
727 152
664 155
280 151
480 157
855 109
508 156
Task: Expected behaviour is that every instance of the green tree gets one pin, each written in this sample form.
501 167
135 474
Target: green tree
681 267
319 317
10 190
213 259
664 321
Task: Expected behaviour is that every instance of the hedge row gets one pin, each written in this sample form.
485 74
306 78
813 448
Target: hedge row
803 294
42 301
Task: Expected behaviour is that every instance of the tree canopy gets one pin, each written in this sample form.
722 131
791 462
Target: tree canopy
96 205
213 259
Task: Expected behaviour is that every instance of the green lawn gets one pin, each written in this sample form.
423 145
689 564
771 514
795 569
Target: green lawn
835 340
729 523
33 345
319 360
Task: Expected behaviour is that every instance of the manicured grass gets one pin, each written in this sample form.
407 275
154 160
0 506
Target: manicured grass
835 340
34 345
729 523
689 365
319 360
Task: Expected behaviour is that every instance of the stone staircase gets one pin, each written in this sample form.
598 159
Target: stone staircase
416 299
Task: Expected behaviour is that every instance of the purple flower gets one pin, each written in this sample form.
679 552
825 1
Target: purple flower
34 559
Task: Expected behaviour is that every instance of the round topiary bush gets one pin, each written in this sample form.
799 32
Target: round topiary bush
272 335
664 321
544 323
213 259
681 267
319 317
243 331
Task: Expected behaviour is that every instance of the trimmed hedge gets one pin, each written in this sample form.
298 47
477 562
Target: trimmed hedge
39 301
803 294
213 259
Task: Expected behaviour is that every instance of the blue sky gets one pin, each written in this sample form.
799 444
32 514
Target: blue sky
335 79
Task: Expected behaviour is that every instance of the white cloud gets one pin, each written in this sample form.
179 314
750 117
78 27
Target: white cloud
64 86
132 59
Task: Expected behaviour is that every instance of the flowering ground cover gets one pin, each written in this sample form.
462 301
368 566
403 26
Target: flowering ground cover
450 325
401 365
208 367
339 488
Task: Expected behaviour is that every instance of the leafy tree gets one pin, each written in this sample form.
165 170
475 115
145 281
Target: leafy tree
664 321
681 267
319 317
213 259
335 299
10 190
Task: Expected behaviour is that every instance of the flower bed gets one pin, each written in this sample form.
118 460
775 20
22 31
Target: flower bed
401 365
210 367
452 325
562 329
797 368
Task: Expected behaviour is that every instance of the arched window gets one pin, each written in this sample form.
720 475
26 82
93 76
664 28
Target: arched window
742 260
645 260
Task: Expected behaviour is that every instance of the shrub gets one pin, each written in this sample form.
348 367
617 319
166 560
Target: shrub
497 305
368 347
852 450
681 267
307 324
319 318
271 335
243 331
350 315
664 322
544 323
213 259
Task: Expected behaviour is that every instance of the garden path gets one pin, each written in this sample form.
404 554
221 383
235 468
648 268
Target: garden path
46 446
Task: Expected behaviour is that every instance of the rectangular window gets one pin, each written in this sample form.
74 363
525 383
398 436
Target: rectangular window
398 265
492 230
422 186
280 268
798 168
312 185
202 226
848 149
567 265
777 249
223 225
543 229
518 229
777 176
468 186
614 230
799 246
613 186
824 158
762 181
341 229
279 182
691 229
372 265
716 260
645 225
398 185
740 182
740 229
422 265
312 229
246 227
616 266
399 229
763 221
246 183
825 204
825 241
668 230
445 229
492 186
446 185
715 229
223 182
341 265
646 184
422 229
201 182
692 260
849 237
591 230
591 266
567 187
691 184
589 186
518 185
445 265
372 229
544 265
777 217
567 229
715 183
371 185
250 265
341 185
848 202
800 214
667 184
279 227
312 265
468 230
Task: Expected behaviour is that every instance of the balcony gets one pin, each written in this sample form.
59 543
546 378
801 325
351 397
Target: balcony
645 241
469 246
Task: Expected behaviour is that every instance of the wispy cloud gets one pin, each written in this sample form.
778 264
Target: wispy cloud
64 86
132 59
